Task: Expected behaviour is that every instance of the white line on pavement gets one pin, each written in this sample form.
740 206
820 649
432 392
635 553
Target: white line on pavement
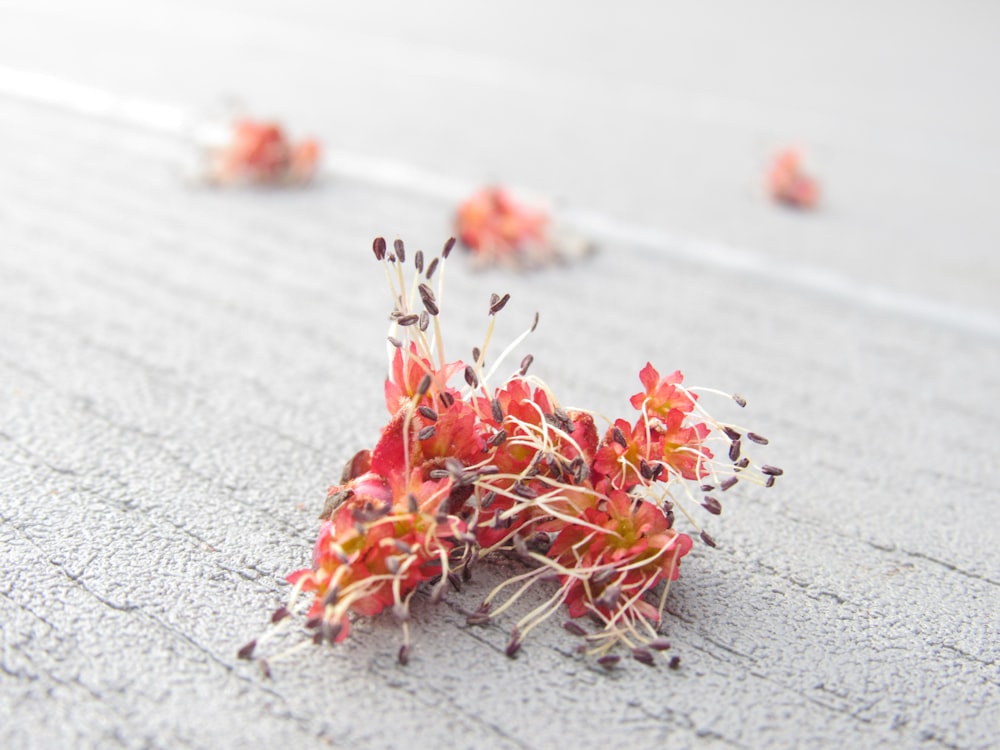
173 121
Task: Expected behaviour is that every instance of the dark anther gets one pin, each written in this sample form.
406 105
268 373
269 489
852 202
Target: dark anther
759 439
427 432
497 303
427 297
731 433
659 644
428 413
515 644
734 450
675 662
402 546
707 539
540 542
476 354
772 471
247 651
619 437
379 247
707 487
370 512
487 470
470 377
523 490
455 467
575 629
432 267
404 654
447 399
739 400
534 324
742 463
425 384
395 342
425 320
497 411
645 469
526 363
643 656
447 247
418 261
313 622
609 661
712 505
498 439
280 614
564 421
439 473
657 470
609 597
331 596
725 484
400 250
408 320
330 631
391 258
603 576
477 618
769 482
487 500
411 502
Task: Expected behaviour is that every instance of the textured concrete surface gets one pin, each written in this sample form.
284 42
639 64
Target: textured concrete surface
183 372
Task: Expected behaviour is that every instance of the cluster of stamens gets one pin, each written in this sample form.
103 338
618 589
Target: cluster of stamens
465 469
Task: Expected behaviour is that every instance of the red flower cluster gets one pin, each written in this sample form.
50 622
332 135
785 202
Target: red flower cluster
499 230
259 153
788 183
465 469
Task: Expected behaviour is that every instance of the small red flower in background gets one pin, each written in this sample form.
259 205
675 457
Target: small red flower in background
788 183
466 468
499 230
260 153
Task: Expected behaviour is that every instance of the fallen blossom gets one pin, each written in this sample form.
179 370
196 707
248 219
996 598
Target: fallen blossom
789 183
498 229
473 463
260 153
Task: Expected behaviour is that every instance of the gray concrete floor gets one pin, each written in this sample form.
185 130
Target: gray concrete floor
183 372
